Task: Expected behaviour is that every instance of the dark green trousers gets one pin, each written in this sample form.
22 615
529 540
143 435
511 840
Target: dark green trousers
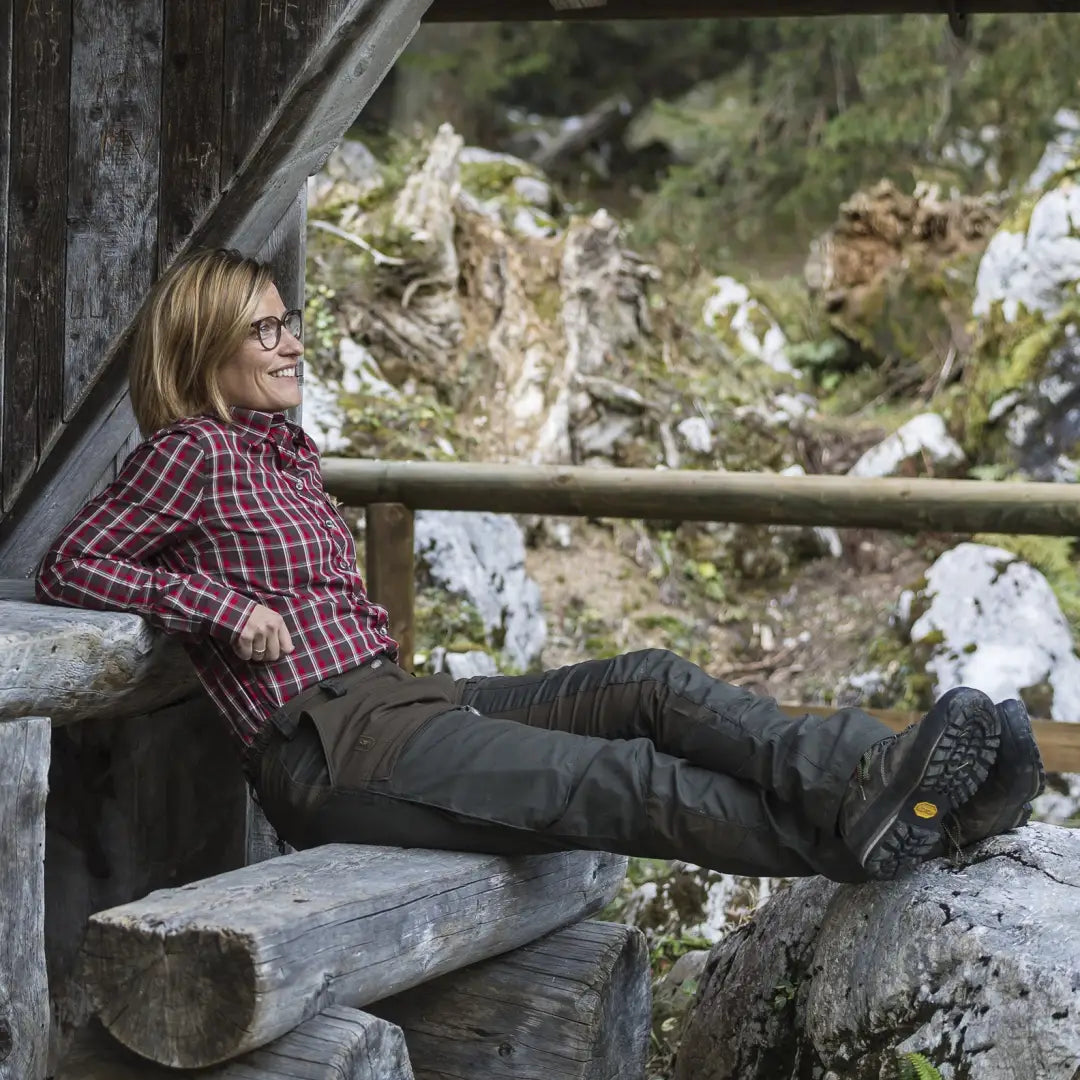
643 754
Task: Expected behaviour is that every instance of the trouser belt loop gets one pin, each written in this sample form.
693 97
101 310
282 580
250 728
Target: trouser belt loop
285 723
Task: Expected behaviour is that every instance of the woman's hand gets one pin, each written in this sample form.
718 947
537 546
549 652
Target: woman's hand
264 637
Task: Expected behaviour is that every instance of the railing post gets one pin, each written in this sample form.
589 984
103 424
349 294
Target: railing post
390 572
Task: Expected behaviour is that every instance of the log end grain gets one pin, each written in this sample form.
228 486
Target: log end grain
153 987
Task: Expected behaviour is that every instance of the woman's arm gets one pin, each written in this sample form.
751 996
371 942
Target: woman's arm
104 557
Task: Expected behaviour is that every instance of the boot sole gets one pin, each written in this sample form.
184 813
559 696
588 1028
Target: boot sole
953 753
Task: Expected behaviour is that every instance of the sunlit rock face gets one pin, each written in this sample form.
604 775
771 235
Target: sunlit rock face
922 443
969 961
481 557
994 623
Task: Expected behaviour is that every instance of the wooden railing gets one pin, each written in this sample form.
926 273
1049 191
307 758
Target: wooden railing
392 491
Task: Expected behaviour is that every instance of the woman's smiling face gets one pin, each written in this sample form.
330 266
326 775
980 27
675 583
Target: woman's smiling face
266 380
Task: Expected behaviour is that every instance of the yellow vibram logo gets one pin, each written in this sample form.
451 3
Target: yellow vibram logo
926 809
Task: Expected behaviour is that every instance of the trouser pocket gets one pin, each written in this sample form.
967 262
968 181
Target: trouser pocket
364 732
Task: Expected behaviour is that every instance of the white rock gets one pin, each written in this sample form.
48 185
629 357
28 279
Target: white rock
1033 269
923 435
323 417
361 374
481 557
533 190
733 304
528 221
1060 151
1003 629
464 665
696 434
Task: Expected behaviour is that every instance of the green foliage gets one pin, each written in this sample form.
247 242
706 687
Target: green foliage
321 332
442 619
916 1067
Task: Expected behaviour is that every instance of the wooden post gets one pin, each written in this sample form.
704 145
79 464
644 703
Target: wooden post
388 564
572 1006
24 991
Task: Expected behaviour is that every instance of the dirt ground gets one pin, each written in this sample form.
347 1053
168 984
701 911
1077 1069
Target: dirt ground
795 638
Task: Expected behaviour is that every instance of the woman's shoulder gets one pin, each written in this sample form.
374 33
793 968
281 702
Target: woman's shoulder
204 433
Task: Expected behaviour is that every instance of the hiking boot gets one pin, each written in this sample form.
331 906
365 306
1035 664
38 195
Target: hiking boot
906 785
1003 802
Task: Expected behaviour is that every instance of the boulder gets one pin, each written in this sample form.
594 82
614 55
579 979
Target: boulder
1032 270
969 961
993 622
481 557
922 444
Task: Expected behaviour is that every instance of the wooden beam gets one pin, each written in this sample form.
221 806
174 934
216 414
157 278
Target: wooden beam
574 1005
36 251
961 506
73 664
339 74
542 10
6 15
338 1044
195 976
113 179
390 573
192 93
24 991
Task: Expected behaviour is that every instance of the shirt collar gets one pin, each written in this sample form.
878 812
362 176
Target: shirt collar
275 426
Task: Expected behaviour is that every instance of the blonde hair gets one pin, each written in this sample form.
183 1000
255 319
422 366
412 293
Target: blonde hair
194 320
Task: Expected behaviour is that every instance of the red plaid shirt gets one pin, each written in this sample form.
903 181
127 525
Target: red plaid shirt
205 521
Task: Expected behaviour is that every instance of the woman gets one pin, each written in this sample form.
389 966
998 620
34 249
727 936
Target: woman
218 530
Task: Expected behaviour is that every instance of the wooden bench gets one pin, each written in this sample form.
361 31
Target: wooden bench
141 891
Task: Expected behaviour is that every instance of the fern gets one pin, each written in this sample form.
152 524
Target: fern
916 1067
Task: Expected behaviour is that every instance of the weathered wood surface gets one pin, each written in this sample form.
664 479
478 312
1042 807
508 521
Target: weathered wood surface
964 506
523 10
572 1006
195 976
72 664
151 802
113 178
193 85
338 1044
24 992
389 571
6 13
37 210
309 116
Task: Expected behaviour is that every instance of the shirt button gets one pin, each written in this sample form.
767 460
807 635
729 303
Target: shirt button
328 523
299 485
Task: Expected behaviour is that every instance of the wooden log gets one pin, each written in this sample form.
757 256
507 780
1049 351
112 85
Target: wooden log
390 573
195 976
961 506
574 1005
37 211
150 802
338 1044
73 664
112 181
527 10
24 991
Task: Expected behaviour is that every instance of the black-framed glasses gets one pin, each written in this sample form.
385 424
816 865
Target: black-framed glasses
268 328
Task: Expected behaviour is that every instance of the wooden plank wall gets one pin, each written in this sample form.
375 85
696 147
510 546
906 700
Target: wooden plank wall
129 119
